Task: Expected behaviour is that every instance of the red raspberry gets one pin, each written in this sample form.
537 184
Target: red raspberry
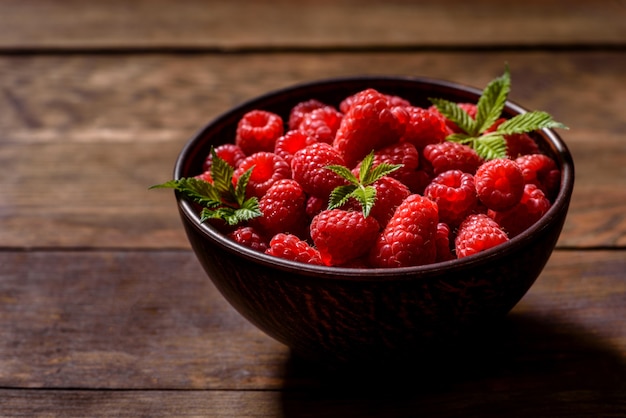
248 236
230 153
321 124
309 169
455 195
290 143
401 153
424 127
533 205
283 208
409 239
478 232
290 247
267 168
449 155
315 205
542 171
341 235
301 109
442 242
206 176
520 144
499 184
370 124
349 101
258 130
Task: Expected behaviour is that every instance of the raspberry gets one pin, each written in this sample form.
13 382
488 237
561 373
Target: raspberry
455 195
520 144
321 124
341 235
349 101
499 184
309 169
370 124
409 237
283 208
478 232
424 127
542 171
248 236
401 153
442 242
448 155
299 110
258 130
532 206
290 247
230 153
315 205
267 168
290 143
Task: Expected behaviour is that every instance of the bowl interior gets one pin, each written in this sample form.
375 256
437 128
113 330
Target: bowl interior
333 91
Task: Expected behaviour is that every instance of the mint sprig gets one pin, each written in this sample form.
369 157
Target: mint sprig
221 199
491 145
359 188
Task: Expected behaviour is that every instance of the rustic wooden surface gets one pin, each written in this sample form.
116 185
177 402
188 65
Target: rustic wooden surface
104 310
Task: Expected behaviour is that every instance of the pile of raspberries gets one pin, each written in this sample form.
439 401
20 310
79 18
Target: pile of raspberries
444 202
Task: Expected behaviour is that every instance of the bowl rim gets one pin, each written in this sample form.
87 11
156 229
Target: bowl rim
561 201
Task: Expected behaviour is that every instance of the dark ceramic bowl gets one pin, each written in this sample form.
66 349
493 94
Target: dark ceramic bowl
339 314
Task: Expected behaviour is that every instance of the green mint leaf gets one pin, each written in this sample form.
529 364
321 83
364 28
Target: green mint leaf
239 192
492 101
220 199
379 171
456 114
340 195
528 122
197 190
343 172
222 174
231 215
358 188
461 138
366 196
490 146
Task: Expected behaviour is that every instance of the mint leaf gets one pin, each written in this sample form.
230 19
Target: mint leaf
492 101
528 122
220 199
490 146
197 190
340 195
359 188
456 114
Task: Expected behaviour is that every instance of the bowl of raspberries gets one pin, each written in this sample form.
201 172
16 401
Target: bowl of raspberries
368 218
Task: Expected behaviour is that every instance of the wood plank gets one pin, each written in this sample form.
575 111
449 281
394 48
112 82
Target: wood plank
247 24
493 402
152 320
88 135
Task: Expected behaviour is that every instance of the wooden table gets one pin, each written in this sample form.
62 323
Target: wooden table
104 310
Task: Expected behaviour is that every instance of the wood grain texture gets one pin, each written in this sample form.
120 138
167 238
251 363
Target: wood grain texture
248 24
495 402
85 136
152 320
